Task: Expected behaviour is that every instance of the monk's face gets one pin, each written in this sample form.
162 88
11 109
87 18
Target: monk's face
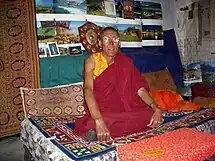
110 43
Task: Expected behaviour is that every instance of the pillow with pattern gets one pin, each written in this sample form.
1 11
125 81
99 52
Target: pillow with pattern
65 101
160 80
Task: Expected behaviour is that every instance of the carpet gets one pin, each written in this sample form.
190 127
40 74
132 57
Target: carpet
60 133
18 61
203 120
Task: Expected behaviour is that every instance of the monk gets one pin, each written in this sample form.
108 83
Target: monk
117 98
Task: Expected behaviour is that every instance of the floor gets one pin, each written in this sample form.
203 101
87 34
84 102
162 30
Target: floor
11 149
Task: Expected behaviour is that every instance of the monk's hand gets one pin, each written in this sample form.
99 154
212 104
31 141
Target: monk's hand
157 118
102 131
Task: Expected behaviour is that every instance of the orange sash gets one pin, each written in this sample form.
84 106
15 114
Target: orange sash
100 64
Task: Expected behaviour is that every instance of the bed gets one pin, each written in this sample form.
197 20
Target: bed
53 139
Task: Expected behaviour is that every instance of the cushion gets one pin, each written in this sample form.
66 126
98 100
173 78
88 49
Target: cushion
181 144
172 102
202 90
160 80
166 98
53 102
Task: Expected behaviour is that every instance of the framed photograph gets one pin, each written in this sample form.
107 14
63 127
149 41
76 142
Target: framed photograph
70 7
53 49
75 50
44 6
192 74
110 8
119 8
151 10
152 33
96 7
46 31
63 50
67 31
130 32
128 9
42 50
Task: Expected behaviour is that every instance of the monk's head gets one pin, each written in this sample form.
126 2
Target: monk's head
109 41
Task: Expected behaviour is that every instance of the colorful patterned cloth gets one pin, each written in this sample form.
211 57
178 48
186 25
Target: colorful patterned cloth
203 120
58 136
53 139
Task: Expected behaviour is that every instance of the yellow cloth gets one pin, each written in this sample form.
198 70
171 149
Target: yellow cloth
100 64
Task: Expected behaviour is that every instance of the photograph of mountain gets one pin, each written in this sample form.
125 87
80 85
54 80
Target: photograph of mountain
129 32
152 32
151 10
95 7
70 6
44 6
46 31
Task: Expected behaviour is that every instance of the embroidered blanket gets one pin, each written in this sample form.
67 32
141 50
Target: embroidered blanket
60 133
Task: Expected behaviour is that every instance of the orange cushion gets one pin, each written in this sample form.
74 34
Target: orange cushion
172 102
166 99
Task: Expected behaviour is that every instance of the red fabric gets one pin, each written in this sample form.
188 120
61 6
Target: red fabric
116 93
179 145
202 90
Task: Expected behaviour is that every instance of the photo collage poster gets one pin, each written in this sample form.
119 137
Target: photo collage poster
139 23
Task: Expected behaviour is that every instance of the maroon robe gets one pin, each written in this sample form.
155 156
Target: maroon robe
122 109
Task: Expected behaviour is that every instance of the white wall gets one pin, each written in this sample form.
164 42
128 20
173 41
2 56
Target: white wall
195 37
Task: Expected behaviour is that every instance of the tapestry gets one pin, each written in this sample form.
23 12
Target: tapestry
18 61
60 133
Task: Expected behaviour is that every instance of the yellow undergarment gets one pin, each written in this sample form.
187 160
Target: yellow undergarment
100 64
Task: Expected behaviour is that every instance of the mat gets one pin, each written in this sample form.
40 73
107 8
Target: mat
60 133
203 120
18 61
